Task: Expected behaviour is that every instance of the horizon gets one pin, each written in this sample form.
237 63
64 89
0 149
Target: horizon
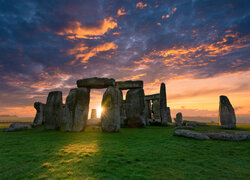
199 53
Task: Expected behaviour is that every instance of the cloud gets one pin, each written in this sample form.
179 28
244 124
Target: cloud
141 5
78 30
121 12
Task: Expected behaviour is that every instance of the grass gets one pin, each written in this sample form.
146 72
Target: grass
149 153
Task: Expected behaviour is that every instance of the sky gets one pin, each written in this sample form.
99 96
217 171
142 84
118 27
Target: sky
198 48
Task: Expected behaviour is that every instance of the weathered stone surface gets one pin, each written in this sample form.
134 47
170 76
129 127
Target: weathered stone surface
97 83
39 118
169 118
190 134
227 119
228 136
123 117
185 127
94 122
17 127
163 105
123 85
148 109
156 109
171 124
178 119
93 113
193 123
152 97
111 102
135 108
76 109
53 112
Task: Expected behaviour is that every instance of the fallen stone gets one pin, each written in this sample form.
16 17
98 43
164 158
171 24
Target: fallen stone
135 108
39 118
17 127
190 134
76 109
53 112
185 127
123 85
228 136
111 102
97 83
94 122
171 124
227 119
93 113
193 123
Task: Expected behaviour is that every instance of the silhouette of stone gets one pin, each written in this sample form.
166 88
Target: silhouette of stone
169 118
178 119
227 119
97 83
123 85
17 127
152 97
93 113
163 105
135 108
156 109
190 134
53 112
76 109
148 109
39 118
228 136
111 102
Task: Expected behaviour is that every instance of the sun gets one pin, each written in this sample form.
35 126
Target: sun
99 112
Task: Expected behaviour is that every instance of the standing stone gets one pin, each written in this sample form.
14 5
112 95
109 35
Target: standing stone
93 114
135 108
39 118
111 102
123 111
169 118
76 109
53 113
163 105
178 119
156 109
227 119
148 109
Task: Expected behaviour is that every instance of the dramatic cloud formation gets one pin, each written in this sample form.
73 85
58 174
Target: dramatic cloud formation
200 49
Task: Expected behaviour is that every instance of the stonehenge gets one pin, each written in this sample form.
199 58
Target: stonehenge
227 119
136 111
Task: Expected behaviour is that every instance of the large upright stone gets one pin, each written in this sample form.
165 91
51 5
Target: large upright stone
163 105
135 108
39 118
93 113
123 111
148 109
156 109
111 102
122 85
227 119
178 119
53 112
97 83
76 109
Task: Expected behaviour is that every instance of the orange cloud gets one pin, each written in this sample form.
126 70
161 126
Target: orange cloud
168 15
121 12
141 5
84 53
77 30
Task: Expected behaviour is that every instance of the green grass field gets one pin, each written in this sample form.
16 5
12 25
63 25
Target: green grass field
149 153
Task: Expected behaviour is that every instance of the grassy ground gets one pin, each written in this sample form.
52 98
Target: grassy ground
149 153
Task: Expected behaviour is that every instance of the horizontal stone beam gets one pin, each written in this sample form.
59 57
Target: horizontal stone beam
95 83
152 97
123 85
